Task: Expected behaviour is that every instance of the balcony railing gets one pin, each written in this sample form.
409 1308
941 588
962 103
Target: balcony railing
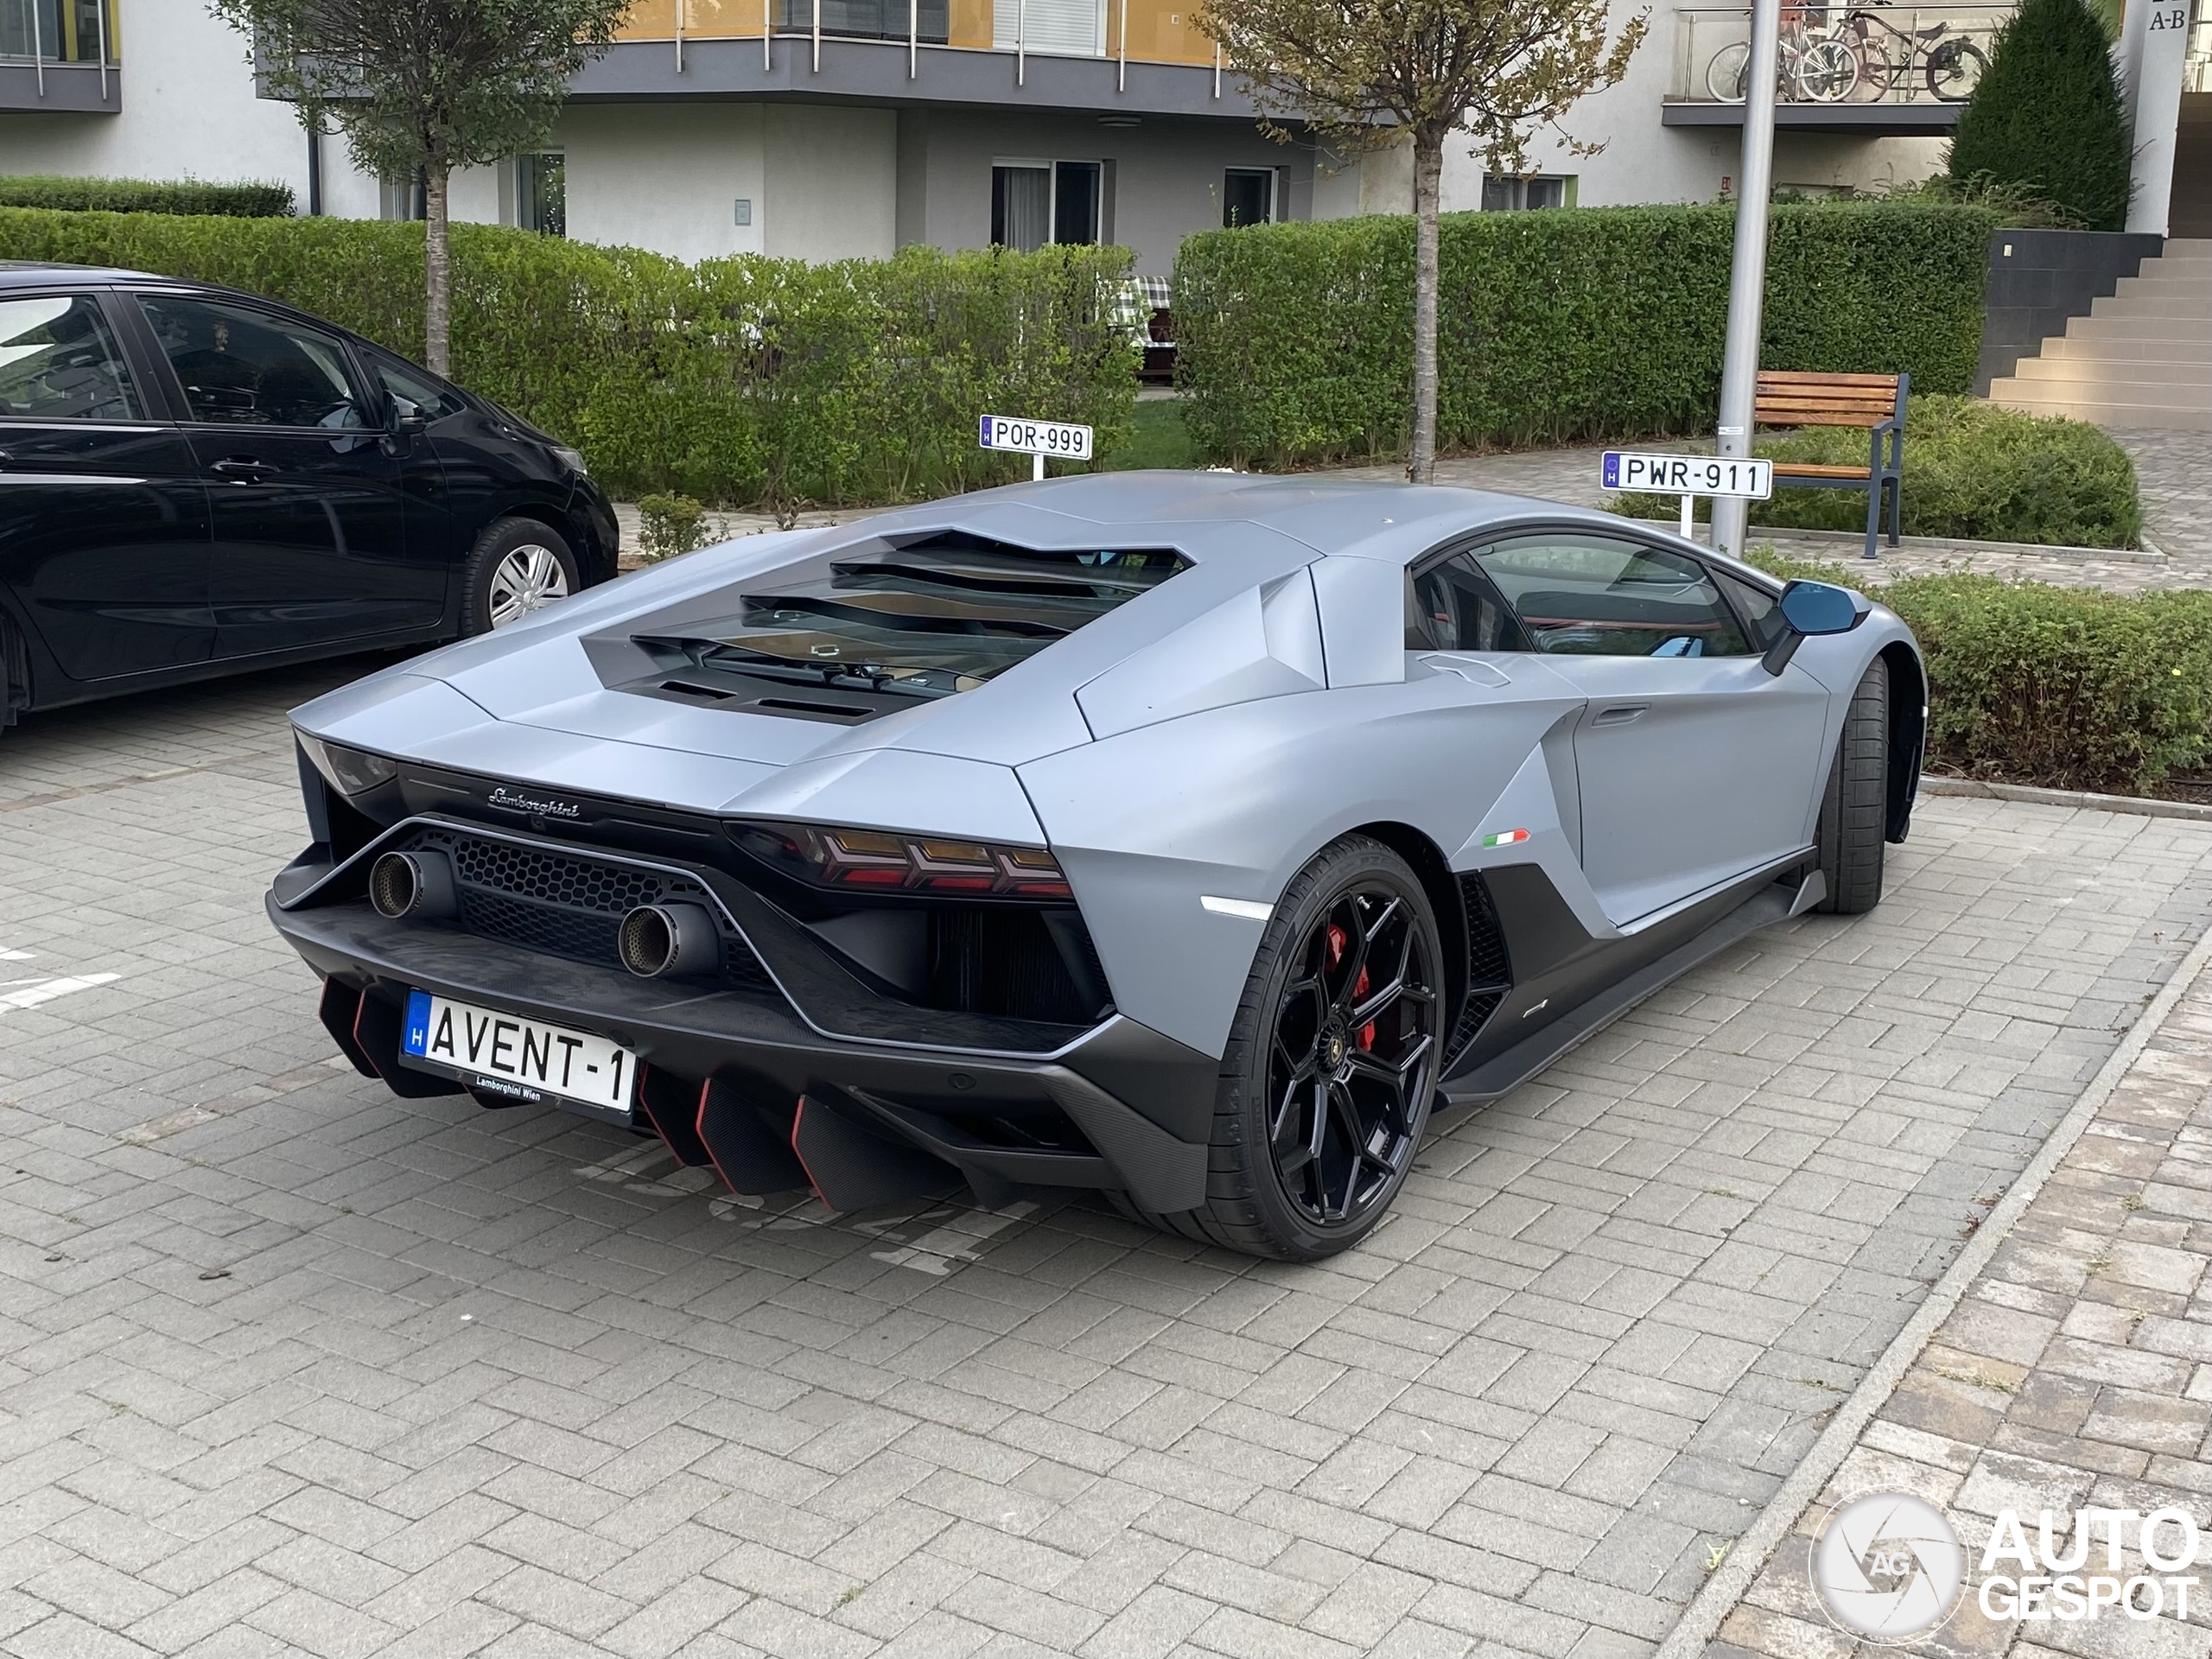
59 32
1876 52
1133 31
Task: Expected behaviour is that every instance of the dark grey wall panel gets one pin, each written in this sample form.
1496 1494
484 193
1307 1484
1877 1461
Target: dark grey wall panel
2041 280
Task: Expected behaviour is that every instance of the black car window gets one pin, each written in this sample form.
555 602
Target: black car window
59 362
1596 596
401 378
242 368
1761 611
1453 606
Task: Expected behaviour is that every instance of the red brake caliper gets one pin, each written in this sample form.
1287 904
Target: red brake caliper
1337 941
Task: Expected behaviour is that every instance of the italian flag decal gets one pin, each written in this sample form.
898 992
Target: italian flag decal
1508 838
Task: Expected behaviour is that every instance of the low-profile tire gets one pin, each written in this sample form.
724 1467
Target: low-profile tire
517 566
1325 1085
1855 808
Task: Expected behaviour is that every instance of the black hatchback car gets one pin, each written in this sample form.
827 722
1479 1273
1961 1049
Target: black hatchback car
195 481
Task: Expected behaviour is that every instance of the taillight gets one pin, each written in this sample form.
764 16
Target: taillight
876 860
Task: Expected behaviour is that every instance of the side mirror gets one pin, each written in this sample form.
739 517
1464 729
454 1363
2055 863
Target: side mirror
1819 608
407 416
1810 608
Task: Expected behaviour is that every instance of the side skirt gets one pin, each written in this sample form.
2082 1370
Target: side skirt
1510 1068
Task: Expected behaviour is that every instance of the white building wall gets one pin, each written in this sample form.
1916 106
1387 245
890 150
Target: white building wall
832 186
665 177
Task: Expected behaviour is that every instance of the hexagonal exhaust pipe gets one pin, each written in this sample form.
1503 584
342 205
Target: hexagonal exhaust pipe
656 940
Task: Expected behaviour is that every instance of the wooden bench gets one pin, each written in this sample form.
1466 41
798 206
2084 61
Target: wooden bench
1874 401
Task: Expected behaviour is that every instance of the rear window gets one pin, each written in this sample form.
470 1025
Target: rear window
925 619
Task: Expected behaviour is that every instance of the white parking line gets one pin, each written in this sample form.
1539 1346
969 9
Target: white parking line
36 991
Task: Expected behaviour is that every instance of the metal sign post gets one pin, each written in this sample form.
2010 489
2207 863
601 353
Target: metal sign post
1740 373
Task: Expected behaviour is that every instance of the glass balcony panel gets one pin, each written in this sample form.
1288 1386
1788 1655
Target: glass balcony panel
866 20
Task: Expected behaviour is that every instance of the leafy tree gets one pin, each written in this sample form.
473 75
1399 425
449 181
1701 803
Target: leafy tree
1364 74
423 86
2046 117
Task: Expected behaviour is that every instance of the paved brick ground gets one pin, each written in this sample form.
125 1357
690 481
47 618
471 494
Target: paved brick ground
287 1365
2077 1372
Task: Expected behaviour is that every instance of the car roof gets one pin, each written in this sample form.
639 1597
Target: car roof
37 273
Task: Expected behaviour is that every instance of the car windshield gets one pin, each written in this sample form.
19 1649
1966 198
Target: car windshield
928 619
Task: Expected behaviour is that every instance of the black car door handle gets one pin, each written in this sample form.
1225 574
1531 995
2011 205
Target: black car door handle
245 468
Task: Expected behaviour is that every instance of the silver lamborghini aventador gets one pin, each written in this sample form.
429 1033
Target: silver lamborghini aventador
1188 837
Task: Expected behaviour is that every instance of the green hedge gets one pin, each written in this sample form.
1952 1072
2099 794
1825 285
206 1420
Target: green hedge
1296 340
744 381
1972 471
2070 688
147 196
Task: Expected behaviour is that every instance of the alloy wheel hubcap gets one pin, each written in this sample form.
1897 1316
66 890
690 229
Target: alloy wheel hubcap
528 578
1351 1056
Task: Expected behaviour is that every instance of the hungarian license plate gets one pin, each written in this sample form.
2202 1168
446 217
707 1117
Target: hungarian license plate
525 1059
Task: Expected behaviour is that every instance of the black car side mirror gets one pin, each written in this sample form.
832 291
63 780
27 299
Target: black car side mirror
407 417
1810 608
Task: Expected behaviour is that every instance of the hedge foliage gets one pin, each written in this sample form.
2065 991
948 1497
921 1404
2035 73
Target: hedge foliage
1296 340
146 196
746 381
1972 471
2069 688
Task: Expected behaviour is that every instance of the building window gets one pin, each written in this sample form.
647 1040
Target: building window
541 193
1036 202
402 198
1248 196
1506 195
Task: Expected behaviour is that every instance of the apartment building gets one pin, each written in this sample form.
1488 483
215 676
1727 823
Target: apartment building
827 129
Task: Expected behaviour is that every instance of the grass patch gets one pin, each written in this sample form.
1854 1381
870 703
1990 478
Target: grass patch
1157 438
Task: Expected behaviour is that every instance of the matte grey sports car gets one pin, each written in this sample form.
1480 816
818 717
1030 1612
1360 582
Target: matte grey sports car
1186 836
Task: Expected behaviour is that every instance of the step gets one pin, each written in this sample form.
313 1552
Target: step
2195 378
2166 416
2195 290
2063 347
2161 308
2101 326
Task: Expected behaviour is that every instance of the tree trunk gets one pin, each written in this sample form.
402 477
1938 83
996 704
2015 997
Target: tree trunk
1429 173
438 305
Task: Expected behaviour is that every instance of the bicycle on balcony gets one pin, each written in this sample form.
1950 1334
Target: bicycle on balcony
1812 66
1888 56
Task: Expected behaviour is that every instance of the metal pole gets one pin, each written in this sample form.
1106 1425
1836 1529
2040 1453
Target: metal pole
1021 43
103 16
679 36
1689 517
1217 68
38 47
818 36
1036 474
1739 372
1121 74
913 34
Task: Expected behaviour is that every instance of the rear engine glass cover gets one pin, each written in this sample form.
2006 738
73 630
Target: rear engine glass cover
928 619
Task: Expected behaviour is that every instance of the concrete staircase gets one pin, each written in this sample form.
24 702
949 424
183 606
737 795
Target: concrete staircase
2141 357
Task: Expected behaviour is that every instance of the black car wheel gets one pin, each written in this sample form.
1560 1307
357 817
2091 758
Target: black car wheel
1326 1086
1854 809
517 566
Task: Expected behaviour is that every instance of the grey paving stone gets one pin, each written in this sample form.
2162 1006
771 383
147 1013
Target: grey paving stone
669 1421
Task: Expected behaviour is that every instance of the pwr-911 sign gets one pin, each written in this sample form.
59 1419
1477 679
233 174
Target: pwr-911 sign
1063 440
1752 480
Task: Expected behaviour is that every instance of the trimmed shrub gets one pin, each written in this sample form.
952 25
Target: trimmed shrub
1972 471
744 381
147 196
2067 688
2046 117
1296 340
669 526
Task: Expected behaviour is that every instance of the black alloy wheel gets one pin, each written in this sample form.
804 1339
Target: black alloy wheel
1352 1053
1331 1064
